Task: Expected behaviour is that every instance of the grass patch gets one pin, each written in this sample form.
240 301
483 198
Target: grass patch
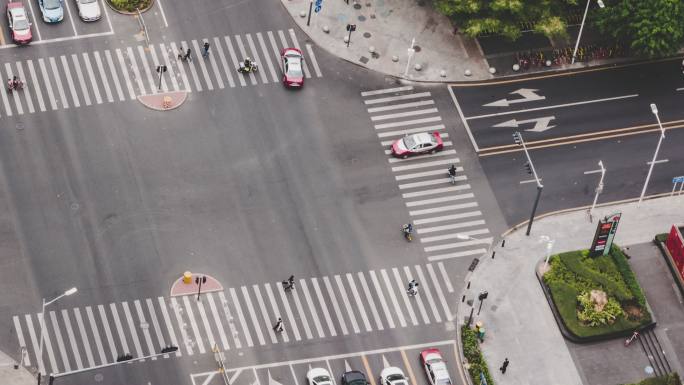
661 237
472 353
574 274
130 5
670 379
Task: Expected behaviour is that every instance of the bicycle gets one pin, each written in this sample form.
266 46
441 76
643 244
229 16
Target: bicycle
634 336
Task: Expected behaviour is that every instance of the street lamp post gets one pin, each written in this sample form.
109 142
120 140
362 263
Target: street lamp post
654 109
410 52
599 188
42 328
579 36
517 137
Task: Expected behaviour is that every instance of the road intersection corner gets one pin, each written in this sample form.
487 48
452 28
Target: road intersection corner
164 101
194 283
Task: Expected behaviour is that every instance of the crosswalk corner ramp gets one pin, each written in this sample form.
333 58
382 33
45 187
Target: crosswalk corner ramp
163 101
195 283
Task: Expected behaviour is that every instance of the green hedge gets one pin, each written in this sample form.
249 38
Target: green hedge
662 237
472 353
670 379
573 273
130 5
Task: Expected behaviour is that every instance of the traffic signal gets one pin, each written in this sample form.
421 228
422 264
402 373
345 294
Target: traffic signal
528 167
517 138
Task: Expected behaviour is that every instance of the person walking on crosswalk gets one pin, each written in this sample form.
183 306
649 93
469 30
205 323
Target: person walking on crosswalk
289 284
205 53
187 55
278 327
412 288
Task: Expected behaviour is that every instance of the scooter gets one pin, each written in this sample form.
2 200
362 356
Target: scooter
18 85
253 67
407 229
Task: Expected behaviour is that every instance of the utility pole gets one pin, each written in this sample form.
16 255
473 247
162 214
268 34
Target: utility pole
160 69
517 137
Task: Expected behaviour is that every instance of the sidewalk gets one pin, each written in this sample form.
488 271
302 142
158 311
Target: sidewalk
518 322
9 375
389 27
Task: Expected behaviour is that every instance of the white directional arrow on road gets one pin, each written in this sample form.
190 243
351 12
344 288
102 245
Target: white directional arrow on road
528 95
540 124
271 381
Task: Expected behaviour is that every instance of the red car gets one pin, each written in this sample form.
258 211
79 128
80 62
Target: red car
416 144
434 366
293 75
19 25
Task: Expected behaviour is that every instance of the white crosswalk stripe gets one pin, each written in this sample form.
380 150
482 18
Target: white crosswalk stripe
226 68
181 70
103 76
5 99
147 69
36 86
191 65
313 60
22 342
46 80
165 60
58 81
15 95
148 326
256 56
234 59
47 341
115 76
127 78
215 70
81 79
155 64
267 57
243 53
70 81
136 72
202 65
442 206
34 343
93 80
307 73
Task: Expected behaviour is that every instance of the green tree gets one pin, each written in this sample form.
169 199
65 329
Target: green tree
475 17
652 28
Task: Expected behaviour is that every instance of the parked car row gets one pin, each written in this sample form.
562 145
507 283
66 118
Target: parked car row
431 359
52 11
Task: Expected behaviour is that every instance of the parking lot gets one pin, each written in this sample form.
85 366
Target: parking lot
371 363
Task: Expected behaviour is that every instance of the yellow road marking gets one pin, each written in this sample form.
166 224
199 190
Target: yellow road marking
409 369
555 75
371 377
2 37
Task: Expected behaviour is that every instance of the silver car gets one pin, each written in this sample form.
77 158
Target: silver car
89 10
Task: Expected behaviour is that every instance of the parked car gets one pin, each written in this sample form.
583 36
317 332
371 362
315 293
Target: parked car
392 375
89 10
19 24
318 376
354 377
416 144
52 10
293 75
435 368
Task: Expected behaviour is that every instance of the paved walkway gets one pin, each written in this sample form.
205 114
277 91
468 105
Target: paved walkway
389 27
516 316
9 375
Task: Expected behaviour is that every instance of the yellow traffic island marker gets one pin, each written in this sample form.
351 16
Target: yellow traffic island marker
163 101
195 284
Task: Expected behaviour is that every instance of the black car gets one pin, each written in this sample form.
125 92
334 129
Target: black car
354 377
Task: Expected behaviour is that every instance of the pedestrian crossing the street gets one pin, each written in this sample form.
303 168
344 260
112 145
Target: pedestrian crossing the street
446 216
238 317
114 75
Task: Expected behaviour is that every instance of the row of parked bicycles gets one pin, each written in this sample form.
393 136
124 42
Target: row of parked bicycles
559 56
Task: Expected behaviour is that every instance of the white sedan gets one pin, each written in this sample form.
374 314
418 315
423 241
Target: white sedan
318 376
392 376
89 10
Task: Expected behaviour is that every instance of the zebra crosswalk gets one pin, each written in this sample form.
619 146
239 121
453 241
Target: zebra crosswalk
115 75
447 217
236 318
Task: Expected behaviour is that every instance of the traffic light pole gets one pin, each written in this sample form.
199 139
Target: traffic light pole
308 21
534 209
517 137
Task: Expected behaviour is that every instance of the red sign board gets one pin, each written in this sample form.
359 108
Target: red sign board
675 245
605 232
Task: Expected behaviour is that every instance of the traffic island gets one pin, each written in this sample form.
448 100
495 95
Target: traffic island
594 298
195 283
164 101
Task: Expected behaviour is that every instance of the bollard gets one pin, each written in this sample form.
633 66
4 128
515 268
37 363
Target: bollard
187 277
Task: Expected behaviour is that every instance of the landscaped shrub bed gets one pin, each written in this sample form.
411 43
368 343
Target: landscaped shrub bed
575 279
130 5
472 353
670 379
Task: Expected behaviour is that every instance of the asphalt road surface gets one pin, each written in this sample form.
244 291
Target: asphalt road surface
570 122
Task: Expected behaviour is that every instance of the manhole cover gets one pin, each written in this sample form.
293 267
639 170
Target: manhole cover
99 377
366 35
357 6
362 18
363 59
416 48
20 126
74 206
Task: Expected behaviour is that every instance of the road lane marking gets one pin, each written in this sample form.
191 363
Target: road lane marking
70 81
313 60
405 296
404 114
227 70
72 338
418 298
217 321
312 307
336 305
267 56
371 302
553 106
145 328
383 301
257 58
302 314
81 79
58 81
181 69
468 214
131 326
26 92
93 79
155 323
203 67
236 63
108 331
433 128
440 294
122 64
22 343
424 174
463 120
445 277
36 86
386 91
205 323
426 289
60 342
169 324
182 326
229 318
366 366
288 311
441 209
393 297
264 313
358 301
274 307
155 64
243 53
324 307
409 369
34 343
347 304
435 191
459 254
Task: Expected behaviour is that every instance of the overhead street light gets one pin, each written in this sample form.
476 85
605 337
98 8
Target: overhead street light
654 110
599 188
579 36
41 367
